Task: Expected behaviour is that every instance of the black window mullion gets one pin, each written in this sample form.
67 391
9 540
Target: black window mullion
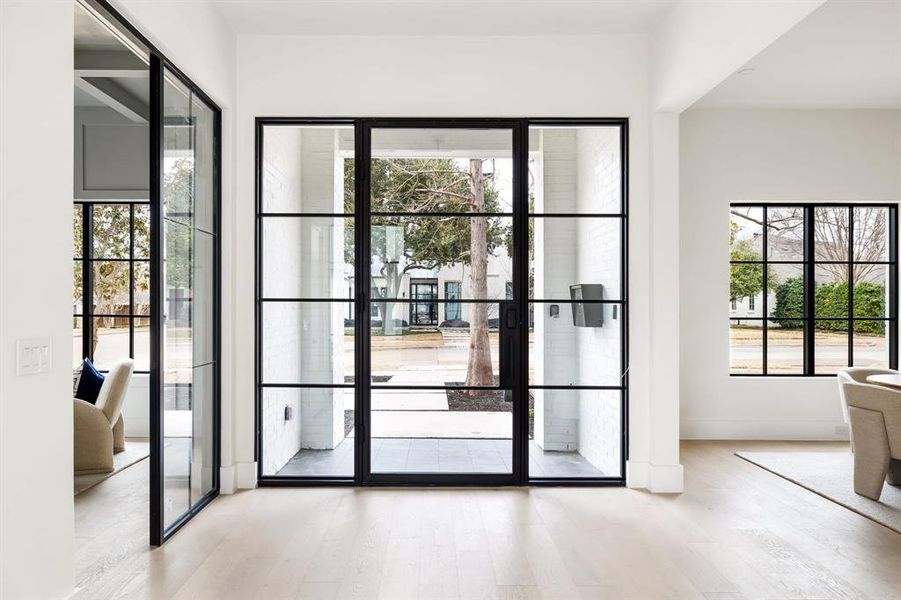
131 281
87 280
764 280
892 312
851 284
809 292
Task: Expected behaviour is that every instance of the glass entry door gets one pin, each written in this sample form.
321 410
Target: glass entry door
440 402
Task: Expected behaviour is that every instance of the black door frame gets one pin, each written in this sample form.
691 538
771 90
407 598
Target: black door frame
158 64
519 128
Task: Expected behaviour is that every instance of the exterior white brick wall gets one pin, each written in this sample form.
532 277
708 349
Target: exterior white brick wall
554 350
599 262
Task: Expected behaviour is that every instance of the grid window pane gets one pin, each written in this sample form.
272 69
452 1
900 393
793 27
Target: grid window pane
831 233
77 230
745 347
307 343
786 294
298 164
871 289
308 257
871 234
575 344
141 288
871 344
831 293
111 231
402 353
580 170
309 432
574 434
785 233
142 230
111 282
574 251
745 233
110 342
831 346
745 283
142 344
785 347
428 431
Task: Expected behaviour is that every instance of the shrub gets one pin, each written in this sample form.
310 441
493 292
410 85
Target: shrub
831 300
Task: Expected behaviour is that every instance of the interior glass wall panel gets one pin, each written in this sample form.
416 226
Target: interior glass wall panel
307 309
576 355
189 366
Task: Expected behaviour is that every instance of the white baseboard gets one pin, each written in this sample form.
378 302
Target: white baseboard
636 474
666 479
659 479
246 475
764 429
228 483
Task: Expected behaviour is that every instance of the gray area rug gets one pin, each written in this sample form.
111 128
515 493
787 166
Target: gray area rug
829 474
135 452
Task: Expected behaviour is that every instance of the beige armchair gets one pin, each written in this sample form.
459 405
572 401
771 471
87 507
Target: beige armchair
874 412
858 375
98 427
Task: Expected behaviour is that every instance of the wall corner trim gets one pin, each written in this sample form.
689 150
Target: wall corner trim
658 479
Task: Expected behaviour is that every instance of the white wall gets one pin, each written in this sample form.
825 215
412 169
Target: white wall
765 156
36 124
566 76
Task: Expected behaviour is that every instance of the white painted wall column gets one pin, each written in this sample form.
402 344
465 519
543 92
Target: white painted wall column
664 470
37 538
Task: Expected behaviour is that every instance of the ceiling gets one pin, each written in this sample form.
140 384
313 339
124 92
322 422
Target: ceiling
441 17
845 55
107 72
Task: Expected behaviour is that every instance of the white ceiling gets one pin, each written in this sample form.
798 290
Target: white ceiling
845 55
441 17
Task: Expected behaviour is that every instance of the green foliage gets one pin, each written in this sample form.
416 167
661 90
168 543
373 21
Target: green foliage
831 302
745 280
789 303
439 185
178 195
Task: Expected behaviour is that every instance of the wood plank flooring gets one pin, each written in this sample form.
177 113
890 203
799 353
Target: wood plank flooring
738 532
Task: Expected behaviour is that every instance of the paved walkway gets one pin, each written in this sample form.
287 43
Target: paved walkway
437 456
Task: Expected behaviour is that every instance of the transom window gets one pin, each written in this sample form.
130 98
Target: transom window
111 276
813 288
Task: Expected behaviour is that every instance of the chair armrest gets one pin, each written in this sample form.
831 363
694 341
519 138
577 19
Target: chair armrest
93 438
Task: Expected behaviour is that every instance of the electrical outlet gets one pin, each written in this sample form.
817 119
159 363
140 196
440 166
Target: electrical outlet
841 430
33 356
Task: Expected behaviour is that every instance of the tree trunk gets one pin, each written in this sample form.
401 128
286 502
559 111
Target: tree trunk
479 370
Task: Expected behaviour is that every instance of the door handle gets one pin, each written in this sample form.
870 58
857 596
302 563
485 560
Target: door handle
507 331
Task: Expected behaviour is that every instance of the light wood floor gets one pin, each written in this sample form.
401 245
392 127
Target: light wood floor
737 532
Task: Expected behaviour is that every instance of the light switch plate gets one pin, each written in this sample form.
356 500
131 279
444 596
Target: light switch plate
33 356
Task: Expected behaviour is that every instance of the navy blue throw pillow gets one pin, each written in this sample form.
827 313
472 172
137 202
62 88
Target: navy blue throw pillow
90 383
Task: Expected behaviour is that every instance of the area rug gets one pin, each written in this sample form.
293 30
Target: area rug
135 452
829 475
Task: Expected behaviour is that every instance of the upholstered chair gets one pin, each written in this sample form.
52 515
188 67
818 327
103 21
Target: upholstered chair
96 424
875 415
859 375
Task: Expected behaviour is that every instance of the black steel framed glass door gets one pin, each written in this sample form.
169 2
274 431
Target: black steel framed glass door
441 301
438 403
